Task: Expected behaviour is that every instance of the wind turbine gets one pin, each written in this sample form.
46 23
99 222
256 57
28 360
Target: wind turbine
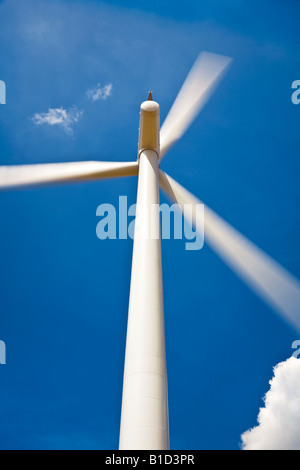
144 418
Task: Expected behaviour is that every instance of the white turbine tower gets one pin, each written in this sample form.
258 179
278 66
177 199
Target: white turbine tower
144 419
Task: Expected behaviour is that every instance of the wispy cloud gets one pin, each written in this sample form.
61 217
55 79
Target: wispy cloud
279 421
99 92
59 117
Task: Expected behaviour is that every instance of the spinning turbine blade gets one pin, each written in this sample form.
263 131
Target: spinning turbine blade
274 284
196 90
50 173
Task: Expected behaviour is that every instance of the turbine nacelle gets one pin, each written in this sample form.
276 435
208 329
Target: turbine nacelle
149 126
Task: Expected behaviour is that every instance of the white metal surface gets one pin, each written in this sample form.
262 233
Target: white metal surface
50 173
144 420
273 283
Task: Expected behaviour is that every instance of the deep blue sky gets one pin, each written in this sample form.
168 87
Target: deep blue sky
63 292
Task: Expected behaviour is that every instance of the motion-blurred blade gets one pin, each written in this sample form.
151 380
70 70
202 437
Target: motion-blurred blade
51 173
274 284
196 90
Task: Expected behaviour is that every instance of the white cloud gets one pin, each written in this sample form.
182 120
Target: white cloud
59 117
99 93
279 421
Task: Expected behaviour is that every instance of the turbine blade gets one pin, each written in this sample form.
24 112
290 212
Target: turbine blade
196 90
50 173
273 283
